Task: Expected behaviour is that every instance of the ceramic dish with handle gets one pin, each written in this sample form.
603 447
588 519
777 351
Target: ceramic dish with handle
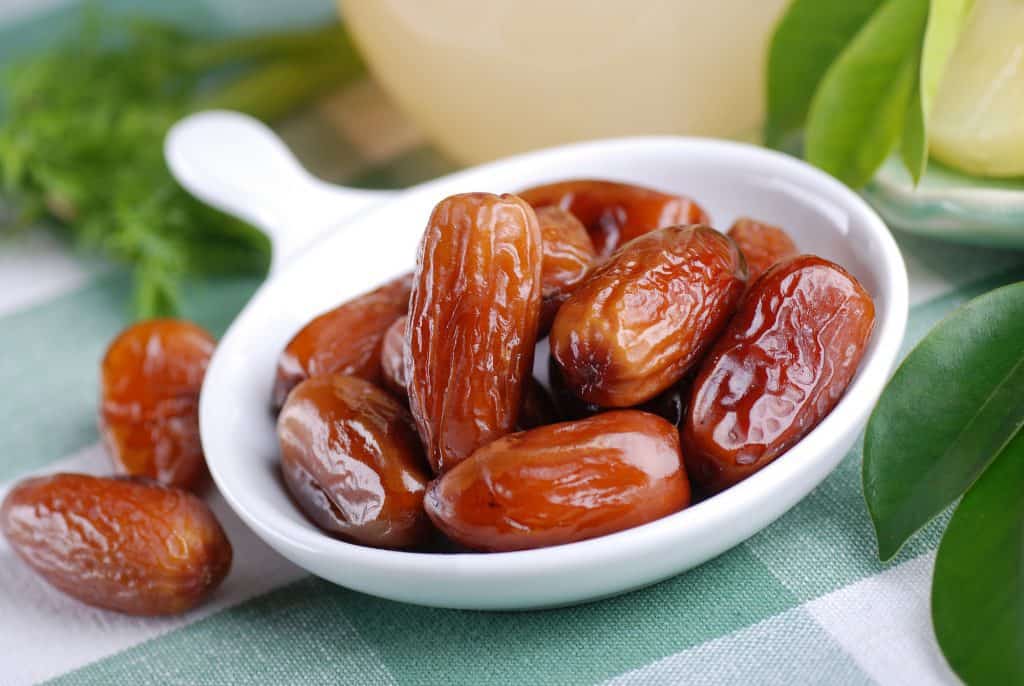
333 243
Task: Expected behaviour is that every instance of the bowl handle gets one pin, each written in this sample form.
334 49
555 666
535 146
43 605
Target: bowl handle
237 164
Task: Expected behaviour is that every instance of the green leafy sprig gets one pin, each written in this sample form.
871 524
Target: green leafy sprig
857 78
82 135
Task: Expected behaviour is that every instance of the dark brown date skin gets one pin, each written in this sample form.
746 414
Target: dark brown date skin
762 245
562 483
538 407
568 256
643 318
780 367
392 359
150 380
472 322
353 463
123 544
615 213
345 340
567 403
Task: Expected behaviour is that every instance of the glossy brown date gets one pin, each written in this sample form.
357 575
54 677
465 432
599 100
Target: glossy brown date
353 463
345 340
762 245
615 213
473 322
568 256
392 359
150 380
643 318
117 543
562 483
780 367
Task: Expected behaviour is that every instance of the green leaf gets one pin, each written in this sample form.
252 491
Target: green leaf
946 20
948 410
806 41
857 114
978 590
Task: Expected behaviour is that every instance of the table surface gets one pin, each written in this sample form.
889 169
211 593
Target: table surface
804 601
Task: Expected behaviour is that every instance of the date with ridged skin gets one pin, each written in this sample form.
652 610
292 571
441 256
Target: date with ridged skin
150 380
562 483
615 213
121 544
779 368
639 321
762 245
345 340
472 322
353 463
568 256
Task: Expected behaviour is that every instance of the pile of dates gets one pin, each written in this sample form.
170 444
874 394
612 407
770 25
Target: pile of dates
682 360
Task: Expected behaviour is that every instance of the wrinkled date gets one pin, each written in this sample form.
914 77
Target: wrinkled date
615 213
568 256
150 380
392 359
562 483
345 340
780 367
642 319
762 245
121 544
472 322
352 461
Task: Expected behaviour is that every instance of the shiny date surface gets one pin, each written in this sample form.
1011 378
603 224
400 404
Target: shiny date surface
121 544
762 245
781 365
345 340
562 483
353 463
568 255
150 380
472 322
615 213
643 318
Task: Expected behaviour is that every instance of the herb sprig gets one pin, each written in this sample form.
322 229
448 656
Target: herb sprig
81 139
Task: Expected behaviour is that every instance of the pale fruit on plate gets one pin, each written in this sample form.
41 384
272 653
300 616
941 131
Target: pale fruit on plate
977 124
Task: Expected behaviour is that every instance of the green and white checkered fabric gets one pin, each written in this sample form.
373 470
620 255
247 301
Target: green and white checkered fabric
804 601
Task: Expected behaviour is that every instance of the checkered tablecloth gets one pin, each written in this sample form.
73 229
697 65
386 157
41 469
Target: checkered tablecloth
804 601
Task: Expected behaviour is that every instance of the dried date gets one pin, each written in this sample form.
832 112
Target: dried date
780 367
472 322
117 543
562 483
643 318
568 256
762 245
615 213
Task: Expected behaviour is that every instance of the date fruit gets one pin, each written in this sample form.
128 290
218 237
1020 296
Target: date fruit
122 544
353 463
150 380
562 483
472 322
782 364
392 359
615 213
762 245
643 318
568 256
345 340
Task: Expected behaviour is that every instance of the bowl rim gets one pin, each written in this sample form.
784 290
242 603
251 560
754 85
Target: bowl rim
849 413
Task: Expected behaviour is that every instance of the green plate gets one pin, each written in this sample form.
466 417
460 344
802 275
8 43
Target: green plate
949 205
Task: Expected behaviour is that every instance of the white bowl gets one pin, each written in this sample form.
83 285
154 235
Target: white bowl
231 162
